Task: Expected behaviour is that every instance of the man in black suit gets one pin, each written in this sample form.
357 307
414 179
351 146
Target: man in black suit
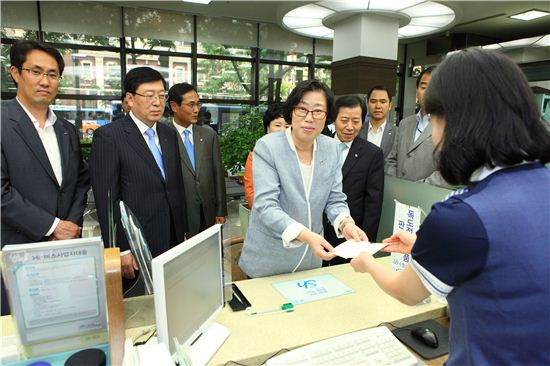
362 171
201 163
44 179
136 160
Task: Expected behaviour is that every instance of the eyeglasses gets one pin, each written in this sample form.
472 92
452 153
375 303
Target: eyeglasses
152 97
316 113
39 74
193 105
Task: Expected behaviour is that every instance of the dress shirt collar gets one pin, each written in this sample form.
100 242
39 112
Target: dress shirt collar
422 122
381 129
50 119
141 125
348 144
288 133
182 129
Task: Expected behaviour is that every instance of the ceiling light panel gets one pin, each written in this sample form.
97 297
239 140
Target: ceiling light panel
415 30
346 5
320 32
310 11
198 1
394 5
530 15
295 22
434 21
428 8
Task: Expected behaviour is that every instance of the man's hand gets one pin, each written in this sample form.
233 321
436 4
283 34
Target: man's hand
400 242
319 246
220 220
129 265
352 231
65 230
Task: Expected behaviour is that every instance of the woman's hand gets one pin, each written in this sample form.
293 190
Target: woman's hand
318 245
400 242
352 231
362 262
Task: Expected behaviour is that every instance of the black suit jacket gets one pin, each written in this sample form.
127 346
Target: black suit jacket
363 184
121 162
31 195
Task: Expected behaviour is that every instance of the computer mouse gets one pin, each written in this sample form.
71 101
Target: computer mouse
426 336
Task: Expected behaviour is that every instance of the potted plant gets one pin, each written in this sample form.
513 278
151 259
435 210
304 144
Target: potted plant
239 137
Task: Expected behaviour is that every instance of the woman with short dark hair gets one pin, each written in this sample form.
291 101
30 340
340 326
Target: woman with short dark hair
486 248
273 122
297 177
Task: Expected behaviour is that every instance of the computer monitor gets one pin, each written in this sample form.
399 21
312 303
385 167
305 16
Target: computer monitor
188 292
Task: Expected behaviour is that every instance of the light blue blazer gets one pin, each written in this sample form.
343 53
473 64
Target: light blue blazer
280 201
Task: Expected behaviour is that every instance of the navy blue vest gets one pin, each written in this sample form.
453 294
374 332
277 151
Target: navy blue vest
502 316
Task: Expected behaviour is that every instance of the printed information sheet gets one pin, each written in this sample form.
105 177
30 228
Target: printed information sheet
312 289
59 291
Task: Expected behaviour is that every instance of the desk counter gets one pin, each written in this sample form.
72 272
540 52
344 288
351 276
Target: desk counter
254 339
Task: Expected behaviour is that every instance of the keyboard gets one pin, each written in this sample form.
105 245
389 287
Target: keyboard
374 346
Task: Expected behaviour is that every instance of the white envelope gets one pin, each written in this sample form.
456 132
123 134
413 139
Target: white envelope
352 248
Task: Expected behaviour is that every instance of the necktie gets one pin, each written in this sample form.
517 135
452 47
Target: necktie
343 148
155 149
189 148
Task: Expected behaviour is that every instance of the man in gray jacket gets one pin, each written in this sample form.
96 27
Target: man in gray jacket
412 156
201 163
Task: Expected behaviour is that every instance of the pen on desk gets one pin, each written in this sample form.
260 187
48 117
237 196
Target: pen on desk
285 308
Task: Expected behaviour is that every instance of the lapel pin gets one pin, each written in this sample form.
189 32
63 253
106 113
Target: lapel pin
356 155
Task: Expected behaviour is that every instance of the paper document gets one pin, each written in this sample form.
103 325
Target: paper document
352 248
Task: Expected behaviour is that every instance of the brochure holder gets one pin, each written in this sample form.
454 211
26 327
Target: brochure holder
56 291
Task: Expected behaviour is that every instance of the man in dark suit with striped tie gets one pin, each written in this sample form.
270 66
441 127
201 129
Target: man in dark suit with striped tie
136 160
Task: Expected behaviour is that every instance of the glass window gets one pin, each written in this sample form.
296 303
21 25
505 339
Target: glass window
7 83
223 79
324 75
220 36
221 114
277 81
112 70
278 55
158 30
61 19
85 72
166 65
274 38
323 51
87 115
19 19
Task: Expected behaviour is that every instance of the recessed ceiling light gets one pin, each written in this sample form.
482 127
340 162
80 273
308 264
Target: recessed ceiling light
530 15
205 2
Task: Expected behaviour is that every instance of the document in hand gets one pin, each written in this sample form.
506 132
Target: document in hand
352 248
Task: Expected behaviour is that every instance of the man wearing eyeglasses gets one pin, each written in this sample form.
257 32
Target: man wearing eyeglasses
201 163
44 179
136 160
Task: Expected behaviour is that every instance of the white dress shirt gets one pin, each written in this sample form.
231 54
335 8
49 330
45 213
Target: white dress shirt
346 150
376 136
49 140
143 127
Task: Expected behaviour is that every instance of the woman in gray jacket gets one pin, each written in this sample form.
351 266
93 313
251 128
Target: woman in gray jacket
297 177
